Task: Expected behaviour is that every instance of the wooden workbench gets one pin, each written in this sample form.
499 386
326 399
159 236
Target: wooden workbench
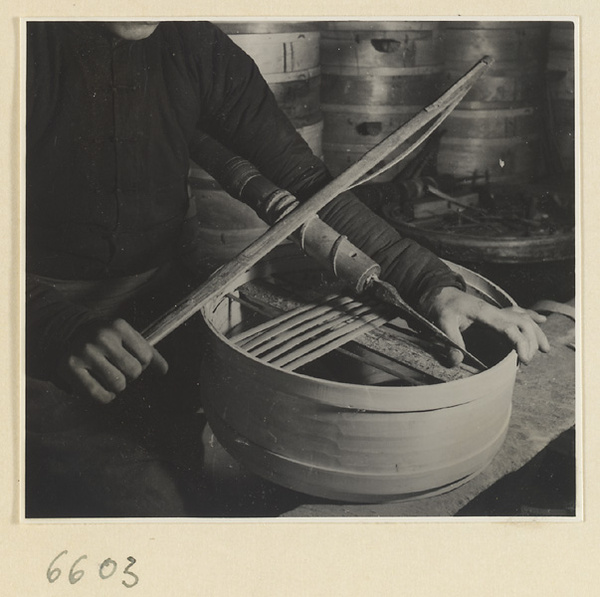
544 406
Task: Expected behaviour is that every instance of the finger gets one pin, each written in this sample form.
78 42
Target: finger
542 340
139 347
537 317
82 382
519 341
147 356
158 362
125 362
517 325
527 327
450 327
107 345
101 367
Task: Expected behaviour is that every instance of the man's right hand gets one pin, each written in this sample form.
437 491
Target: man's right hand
104 357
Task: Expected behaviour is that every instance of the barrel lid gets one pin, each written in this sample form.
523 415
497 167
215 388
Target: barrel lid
391 25
493 24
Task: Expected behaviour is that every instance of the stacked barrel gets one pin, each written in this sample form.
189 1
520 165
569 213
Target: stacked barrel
376 76
496 131
287 55
561 93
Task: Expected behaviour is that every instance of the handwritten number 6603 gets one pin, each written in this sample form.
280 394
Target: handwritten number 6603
105 571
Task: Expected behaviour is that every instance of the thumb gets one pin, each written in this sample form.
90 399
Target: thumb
451 328
158 362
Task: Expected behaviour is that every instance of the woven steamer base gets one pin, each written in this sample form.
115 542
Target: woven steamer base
352 442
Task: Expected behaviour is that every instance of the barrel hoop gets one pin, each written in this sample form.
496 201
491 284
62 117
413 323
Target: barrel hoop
500 143
492 24
262 27
298 75
380 71
496 114
369 109
261 39
391 25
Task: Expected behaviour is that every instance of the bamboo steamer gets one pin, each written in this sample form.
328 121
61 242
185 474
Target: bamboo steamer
263 41
512 42
266 27
512 159
276 53
561 91
298 95
502 88
288 57
496 130
313 135
488 124
348 441
358 129
375 76
226 225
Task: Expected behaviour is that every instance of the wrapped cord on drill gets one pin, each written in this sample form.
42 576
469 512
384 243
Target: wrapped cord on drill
413 270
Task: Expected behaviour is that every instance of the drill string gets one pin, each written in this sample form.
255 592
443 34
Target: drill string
484 212
433 127
226 278
386 292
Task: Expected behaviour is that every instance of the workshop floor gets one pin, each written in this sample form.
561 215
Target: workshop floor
545 486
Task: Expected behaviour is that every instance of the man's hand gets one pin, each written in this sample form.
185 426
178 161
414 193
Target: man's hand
105 357
453 311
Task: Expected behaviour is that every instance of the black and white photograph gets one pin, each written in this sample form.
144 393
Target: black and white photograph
301 269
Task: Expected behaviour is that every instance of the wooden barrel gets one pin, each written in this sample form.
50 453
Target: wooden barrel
375 76
226 226
287 55
560 72
357 129
298 95
496 130
512 159
509 42
350 441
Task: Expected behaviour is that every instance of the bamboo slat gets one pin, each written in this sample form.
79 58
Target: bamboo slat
383 337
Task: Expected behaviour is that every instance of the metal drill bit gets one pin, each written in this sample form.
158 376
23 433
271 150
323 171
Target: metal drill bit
388 294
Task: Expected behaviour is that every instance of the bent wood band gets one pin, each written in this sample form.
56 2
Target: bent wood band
226 278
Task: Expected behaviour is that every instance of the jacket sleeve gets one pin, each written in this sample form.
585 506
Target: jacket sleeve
245 117
241 112
51 320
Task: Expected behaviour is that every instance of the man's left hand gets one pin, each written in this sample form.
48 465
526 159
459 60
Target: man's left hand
453 311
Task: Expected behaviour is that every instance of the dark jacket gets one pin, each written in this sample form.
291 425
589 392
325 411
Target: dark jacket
110 131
